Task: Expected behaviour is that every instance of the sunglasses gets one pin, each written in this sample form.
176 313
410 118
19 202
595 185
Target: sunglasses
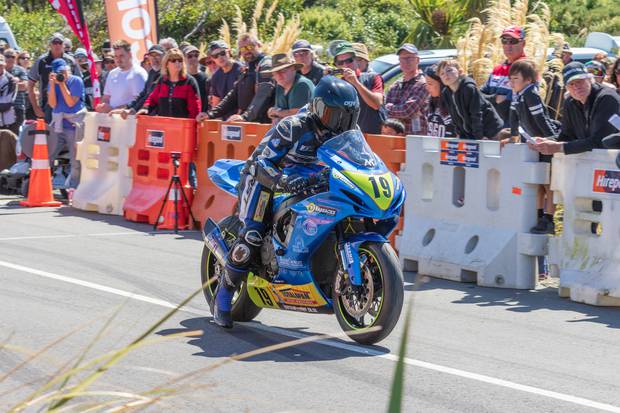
301 53
209 62
345 61
596 72
25 58
56 41
9 56
248 48
219 54
192 55
175 60
510 40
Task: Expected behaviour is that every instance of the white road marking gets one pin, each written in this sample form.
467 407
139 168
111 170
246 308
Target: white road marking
101 234
332 343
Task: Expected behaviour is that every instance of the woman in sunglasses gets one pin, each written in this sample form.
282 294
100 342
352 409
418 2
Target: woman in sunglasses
176 93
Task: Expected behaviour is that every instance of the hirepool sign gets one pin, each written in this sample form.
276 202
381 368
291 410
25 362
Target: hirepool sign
459 153
606 181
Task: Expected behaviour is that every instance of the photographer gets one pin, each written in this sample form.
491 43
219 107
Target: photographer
66 98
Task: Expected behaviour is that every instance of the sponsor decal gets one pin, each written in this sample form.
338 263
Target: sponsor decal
458 153
303 309
299 246
261 207
337 175
301 295
103 134
349 253
155 138
320 209
286 262
309 227
606 181
232 132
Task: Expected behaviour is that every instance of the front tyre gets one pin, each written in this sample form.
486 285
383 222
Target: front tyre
243 309
378 303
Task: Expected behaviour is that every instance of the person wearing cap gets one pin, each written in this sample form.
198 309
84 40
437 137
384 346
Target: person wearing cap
155 56
438 119
252 93
598 71
361 56
304 55
168 43
66 98
497 87
81 58
369 87
40 71
227 74
263 98
567 53
192 54
293 91
406 98
125 82
585 115
107 65
21 78
8 94
68 46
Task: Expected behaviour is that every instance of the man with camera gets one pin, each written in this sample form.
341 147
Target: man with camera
66 98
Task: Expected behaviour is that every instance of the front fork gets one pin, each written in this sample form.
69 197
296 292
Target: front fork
349 257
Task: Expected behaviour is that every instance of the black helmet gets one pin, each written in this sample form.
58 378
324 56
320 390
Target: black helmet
335 105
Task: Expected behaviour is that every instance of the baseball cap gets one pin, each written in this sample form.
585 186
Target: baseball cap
596 68
301 44
190 48
156 49
408 47
59 65
57 37
574 71
344 47
361 51
80 52
566 48
516 32
217 44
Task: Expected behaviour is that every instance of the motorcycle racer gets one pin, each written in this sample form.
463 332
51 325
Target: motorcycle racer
283 161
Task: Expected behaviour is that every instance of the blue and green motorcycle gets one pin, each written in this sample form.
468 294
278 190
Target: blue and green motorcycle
327 250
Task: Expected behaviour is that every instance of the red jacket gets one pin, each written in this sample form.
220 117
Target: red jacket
174 99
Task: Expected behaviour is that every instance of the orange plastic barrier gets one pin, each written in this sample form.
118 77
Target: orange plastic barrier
218 140
151 164
392 150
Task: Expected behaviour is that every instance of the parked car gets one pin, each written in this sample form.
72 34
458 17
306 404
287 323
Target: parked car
6 34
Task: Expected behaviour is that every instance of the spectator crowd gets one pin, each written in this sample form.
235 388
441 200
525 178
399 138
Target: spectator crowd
242 83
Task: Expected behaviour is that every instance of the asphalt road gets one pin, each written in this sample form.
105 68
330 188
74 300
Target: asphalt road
65 274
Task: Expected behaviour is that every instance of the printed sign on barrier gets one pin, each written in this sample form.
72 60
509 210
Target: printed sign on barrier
606 181
232 132
155 138
455 153
103 134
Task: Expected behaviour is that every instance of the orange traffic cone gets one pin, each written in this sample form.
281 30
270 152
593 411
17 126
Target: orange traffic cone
167 218
40 187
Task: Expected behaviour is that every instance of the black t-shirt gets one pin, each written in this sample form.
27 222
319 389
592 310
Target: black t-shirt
203 89
222 82
438 119
315 74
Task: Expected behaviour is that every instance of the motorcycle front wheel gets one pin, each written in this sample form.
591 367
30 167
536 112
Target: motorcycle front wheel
243 309
372 311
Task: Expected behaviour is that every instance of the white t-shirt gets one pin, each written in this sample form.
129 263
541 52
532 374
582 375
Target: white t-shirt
124 86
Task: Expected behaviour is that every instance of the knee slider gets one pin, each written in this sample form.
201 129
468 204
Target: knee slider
240 254
254 238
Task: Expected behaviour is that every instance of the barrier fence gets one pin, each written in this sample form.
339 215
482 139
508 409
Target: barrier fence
586 256
469 209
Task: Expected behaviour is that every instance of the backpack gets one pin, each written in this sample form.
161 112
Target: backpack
8 93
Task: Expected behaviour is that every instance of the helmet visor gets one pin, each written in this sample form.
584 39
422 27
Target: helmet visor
336 120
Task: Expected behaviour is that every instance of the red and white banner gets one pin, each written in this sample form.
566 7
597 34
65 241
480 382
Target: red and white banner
72 11
134 21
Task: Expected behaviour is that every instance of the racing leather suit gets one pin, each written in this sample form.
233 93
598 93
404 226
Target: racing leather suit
288 149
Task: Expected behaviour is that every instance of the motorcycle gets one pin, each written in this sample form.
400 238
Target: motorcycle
327 249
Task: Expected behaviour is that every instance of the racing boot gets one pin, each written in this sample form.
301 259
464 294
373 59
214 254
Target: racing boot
222 305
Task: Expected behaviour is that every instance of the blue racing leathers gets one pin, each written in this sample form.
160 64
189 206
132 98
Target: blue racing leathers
288 150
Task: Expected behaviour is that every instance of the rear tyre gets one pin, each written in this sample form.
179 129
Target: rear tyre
381 300
243 309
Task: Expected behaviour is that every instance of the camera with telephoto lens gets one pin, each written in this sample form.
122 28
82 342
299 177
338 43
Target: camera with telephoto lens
60 77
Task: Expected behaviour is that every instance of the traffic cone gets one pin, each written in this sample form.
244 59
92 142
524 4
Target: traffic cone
40 187
166 219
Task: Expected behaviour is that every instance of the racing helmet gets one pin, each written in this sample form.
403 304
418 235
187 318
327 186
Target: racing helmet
334 105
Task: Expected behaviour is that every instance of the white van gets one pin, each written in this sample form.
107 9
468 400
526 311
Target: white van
6 34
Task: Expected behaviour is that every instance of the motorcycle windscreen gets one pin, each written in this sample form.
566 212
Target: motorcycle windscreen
225 173
352 147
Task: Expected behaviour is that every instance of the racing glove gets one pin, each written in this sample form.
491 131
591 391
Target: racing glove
293 183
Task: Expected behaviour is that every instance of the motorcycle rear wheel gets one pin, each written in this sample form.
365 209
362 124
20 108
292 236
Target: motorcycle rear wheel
379 263
243 309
